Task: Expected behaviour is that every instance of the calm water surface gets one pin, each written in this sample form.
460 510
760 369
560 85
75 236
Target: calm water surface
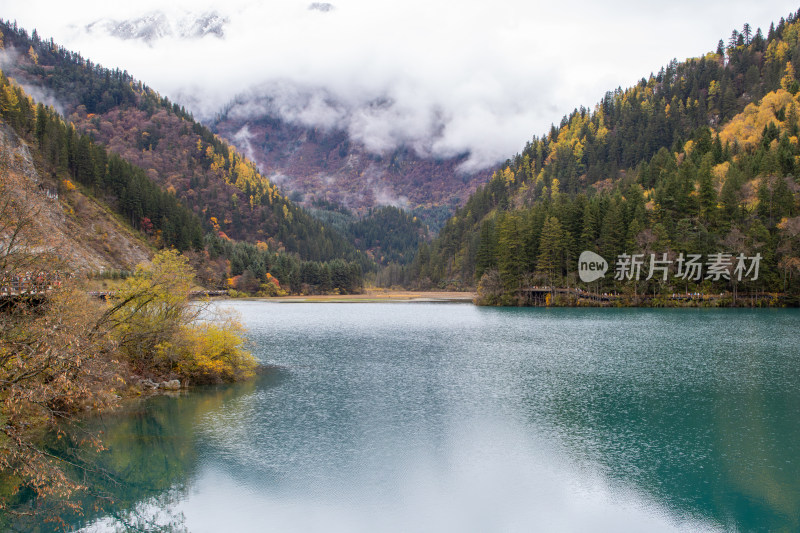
448 417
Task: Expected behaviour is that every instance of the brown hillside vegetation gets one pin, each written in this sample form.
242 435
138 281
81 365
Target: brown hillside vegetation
218 184
320 165
78 232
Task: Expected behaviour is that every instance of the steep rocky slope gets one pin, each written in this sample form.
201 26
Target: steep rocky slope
78 230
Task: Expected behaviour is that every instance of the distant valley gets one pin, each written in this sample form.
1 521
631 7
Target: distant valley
313 164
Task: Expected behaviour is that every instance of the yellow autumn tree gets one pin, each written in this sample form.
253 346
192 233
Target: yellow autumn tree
746 127
163 333
8 100
788 80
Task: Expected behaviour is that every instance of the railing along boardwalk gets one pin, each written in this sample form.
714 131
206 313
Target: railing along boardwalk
32 287
15 286
538 296
19 284
193 294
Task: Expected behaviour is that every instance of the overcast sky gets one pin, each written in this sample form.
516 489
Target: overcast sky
442 76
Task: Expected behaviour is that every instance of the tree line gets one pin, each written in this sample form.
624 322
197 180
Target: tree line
254 269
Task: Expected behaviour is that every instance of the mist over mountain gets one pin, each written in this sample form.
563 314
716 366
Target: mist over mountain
440 80
315 147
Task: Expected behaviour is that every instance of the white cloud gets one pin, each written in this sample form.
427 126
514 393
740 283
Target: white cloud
442 76
243 137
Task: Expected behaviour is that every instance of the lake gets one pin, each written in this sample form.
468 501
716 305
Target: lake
439 417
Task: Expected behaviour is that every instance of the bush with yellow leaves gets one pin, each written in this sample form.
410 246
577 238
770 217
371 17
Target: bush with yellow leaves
162 332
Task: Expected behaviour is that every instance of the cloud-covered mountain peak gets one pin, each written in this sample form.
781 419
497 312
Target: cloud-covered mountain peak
156 25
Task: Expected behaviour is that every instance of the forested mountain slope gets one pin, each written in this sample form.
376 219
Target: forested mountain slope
85 173
700 158
223 189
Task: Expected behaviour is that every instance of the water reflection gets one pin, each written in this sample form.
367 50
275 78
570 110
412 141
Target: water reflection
150 461
709 426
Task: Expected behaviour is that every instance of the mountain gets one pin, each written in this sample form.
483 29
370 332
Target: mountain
223 188
701 158
317 143
324 7
314 163
66 199
115 125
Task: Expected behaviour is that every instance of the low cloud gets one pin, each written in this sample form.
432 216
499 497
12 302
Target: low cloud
443 78
386 197
39 94
242 138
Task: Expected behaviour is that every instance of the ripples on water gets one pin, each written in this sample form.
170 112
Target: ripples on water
448 417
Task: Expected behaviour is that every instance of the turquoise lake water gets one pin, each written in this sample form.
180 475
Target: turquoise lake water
449 417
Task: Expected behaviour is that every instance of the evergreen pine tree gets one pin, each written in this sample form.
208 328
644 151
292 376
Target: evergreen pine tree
551 251
707 192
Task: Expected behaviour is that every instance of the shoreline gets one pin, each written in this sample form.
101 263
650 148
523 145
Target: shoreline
618 301
372 296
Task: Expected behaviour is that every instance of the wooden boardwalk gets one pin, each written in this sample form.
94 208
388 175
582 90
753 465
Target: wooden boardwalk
18 285
104 295
35 286
538 296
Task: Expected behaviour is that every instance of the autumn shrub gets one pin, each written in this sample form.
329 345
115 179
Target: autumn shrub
68 354
161 332
216 353
271 287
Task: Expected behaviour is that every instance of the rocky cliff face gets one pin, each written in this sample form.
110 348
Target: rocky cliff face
56 217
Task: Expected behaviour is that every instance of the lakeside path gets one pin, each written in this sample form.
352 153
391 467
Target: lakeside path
378 295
